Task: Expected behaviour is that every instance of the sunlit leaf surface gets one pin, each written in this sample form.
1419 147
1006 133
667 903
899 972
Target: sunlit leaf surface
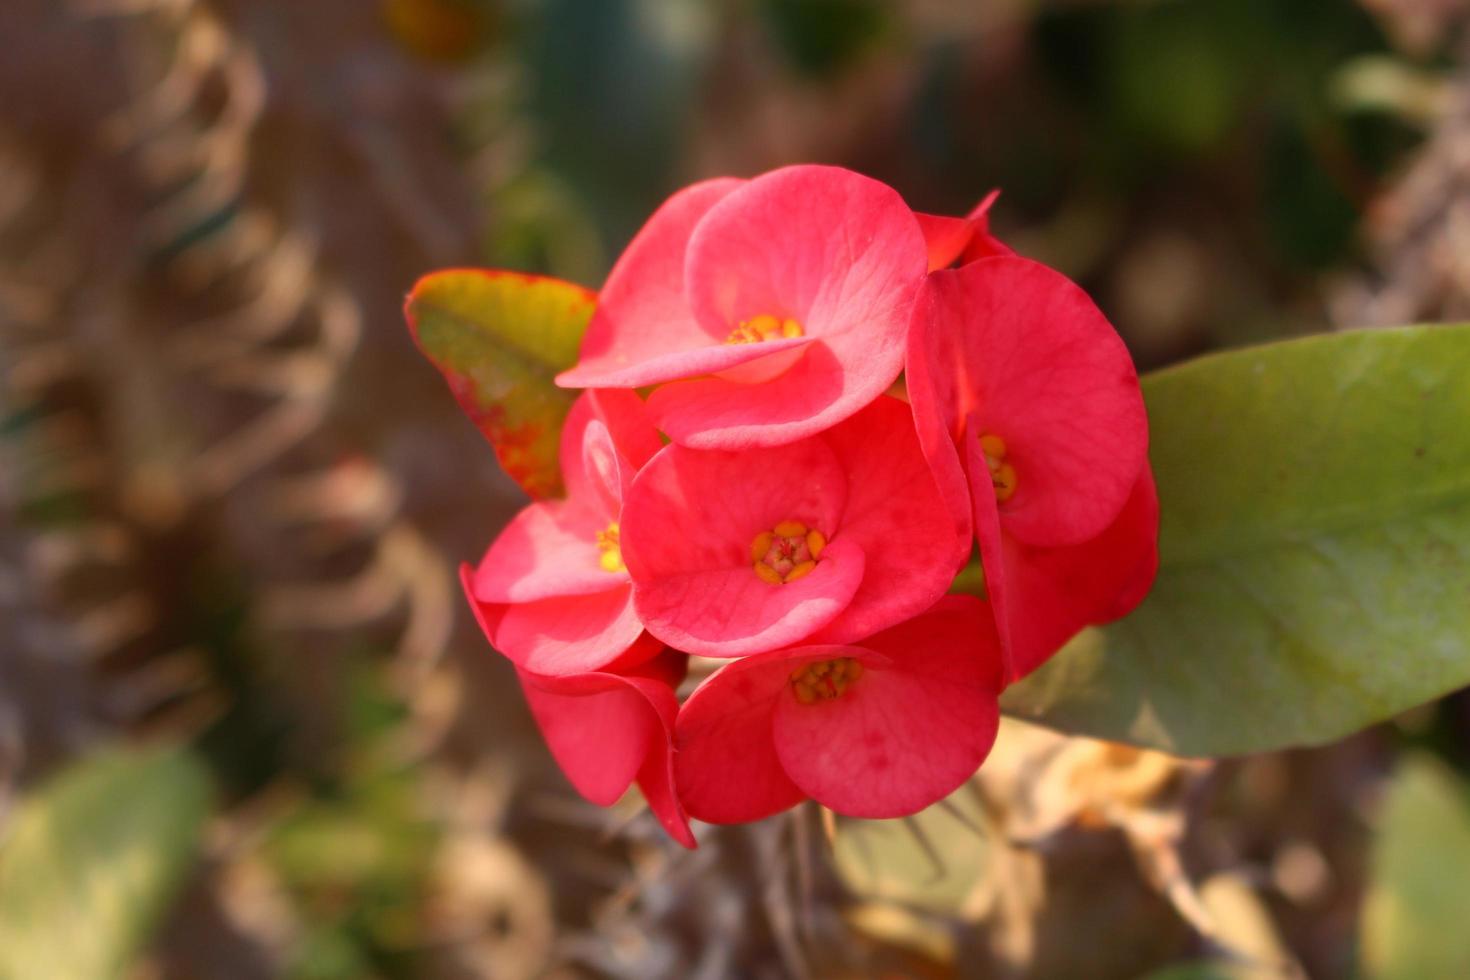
500 338
91 860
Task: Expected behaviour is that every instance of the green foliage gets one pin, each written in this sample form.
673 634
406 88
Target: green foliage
821 37
93 858
933 860
1414 915
1173 82
1309 217
1164 97
612 89
499 338
356 857
1315 551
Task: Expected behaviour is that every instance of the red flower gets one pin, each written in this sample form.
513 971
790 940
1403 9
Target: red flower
608 728
966 239
825 540
1029 410
766 310
878 728
806 522
552 589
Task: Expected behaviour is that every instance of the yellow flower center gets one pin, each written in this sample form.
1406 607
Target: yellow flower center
609 544
1002 474
764 327
824 679
786 552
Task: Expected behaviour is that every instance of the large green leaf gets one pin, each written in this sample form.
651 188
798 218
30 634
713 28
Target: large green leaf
1315 551
91 860
1414 916
500 338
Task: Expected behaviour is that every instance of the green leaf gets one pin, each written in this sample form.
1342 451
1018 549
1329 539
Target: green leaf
91 860
500 338
1314 548
933 860
1414 914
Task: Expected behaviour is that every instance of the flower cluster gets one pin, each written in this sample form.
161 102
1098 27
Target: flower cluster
803 514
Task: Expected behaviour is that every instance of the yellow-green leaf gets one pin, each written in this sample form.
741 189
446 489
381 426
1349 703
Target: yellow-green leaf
1415 913
933 860
1314 544
500 338
91 860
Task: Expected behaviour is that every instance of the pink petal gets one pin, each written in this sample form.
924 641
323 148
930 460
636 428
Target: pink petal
641 311
607 473
628 421
1132 543
639 657
628 425
658 679
607 729
923 367
715 356
896 515
945 238
1034 362
569 453
814 394
656 781
984 245
989 537
598 727
564 635
949 239
725 763
836 251
962 622
688 524
547 550
1044 596
690 510
910 730
731 613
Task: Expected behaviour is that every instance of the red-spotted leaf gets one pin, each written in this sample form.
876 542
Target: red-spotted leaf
499 338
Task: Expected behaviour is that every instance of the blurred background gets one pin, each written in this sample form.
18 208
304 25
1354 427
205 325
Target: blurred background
232 494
